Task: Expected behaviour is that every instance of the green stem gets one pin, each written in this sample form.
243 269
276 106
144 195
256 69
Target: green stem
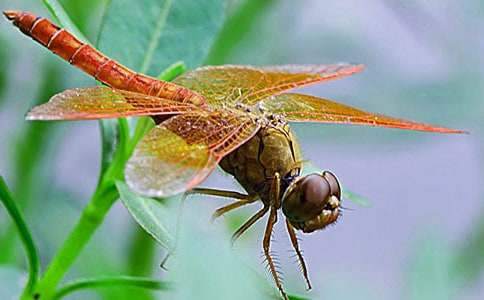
142 246
91 218
26 237
139 282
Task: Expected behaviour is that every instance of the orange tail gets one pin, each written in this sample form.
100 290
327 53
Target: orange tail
94 63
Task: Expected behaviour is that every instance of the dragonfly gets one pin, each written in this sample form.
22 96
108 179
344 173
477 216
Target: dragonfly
233 116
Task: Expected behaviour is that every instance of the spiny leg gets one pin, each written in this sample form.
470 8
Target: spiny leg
275 203
219 193
224 209
266 246
295 245
243 199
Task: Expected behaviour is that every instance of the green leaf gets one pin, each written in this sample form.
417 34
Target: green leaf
102 282
62 18
205 266
429 273
109 142
148 213
86 14
32 144
294 297
468 265
26 237
355 198
173 71
238 25
149 35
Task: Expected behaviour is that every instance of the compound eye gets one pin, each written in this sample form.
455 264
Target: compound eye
333 183
315 192
307 199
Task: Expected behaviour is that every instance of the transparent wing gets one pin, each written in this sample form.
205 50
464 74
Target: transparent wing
228 84
102 103
305 108
182 151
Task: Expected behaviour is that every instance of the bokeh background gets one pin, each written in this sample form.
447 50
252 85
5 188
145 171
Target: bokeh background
422 237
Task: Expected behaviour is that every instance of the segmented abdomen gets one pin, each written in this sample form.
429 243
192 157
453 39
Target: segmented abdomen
94 63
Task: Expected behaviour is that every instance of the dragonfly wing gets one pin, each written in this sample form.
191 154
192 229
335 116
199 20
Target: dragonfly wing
103 103
305 108
181 152
222 85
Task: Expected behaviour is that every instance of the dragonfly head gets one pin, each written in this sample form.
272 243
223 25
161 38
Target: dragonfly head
312 202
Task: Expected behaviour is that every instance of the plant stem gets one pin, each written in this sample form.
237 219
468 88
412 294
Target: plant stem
92 216
26 237
140 282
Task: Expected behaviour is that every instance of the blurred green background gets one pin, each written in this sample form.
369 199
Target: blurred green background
423 237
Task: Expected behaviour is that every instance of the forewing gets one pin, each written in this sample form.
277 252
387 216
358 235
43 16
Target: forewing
104 103
305 108
181 152
222 85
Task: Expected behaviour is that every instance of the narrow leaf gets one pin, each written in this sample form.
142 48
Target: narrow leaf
26 237
468 265
355 198
102 282
149 35
294 297
173 71
148 213
205 266
109 141
62 18
429 269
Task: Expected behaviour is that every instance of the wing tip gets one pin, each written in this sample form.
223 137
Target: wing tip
434 128
39 116
422 127
445 130
139 188
30 116
352 67
147 192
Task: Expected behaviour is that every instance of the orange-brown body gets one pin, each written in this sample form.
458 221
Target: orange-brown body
96 64
272 150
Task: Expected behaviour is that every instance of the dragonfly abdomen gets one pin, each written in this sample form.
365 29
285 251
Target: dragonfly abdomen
94 63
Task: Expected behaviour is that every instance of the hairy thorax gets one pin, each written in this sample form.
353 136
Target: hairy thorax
273 149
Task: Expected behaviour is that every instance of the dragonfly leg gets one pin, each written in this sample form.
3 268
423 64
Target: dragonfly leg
224 209
295 245
177 232
242 199
266 246
266 243
164 260
218 193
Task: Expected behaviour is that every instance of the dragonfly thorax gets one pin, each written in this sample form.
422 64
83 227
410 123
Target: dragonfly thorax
272 150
